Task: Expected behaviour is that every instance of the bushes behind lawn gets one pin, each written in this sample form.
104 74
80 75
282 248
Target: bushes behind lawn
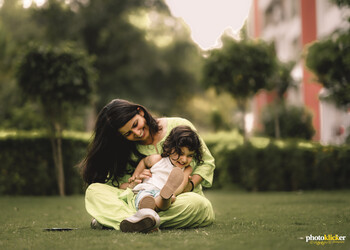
27 168
275 165
26 165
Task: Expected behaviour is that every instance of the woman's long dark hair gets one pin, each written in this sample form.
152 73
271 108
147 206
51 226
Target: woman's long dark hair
183 136
109 152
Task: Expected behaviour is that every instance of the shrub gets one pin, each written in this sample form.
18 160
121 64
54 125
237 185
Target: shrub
294 122
263 165
281 165
27 166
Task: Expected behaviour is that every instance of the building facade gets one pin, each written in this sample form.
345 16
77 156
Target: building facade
293 25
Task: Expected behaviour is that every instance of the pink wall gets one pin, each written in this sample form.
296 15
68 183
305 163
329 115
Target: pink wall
310 88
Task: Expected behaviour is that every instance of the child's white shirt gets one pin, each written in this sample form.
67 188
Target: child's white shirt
160 173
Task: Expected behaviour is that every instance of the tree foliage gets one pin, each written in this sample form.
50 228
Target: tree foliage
142 52
60 79
281 81
342 3
123 36
330 61
16 30
241 68
57 21
294 121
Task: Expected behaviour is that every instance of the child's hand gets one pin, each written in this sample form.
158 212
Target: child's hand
146 173
132 184
131 179
173 198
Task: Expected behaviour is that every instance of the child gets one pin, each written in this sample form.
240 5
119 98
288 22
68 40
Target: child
170 170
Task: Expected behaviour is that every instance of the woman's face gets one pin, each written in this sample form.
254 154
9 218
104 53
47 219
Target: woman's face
136 129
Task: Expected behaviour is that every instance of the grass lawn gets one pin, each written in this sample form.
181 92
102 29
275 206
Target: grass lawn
243 221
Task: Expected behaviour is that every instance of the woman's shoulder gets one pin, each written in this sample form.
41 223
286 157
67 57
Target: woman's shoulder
176 121
172 122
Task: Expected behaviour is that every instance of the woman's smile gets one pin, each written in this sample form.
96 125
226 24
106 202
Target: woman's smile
141 133
136 129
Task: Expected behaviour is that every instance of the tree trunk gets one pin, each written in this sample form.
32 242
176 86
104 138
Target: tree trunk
56 143
279 104
277 125
242 105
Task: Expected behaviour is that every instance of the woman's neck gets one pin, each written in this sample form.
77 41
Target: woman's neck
154 139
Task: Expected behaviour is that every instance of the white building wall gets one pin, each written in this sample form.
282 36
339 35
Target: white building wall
281 23
334 121
330 18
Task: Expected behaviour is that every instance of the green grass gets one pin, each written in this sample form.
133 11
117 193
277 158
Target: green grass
243 221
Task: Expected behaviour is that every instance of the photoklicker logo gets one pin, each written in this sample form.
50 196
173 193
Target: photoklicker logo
325 239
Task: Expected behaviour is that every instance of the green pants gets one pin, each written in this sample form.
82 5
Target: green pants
110 205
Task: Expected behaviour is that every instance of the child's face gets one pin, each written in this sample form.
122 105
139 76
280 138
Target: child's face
182 160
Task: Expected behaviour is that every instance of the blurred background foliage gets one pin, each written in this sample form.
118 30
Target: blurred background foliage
240 68
293 121
143 54
263 164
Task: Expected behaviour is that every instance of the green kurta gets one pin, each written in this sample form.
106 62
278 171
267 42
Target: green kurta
110 205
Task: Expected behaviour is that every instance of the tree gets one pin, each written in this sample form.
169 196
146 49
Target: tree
57 21
294 121
131 62
280 82
342 3
16 29
241 68
61 79
330 61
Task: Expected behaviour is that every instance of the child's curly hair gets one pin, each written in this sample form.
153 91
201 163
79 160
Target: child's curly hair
183 136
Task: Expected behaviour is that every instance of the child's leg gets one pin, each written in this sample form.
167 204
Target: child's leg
145 199
163 201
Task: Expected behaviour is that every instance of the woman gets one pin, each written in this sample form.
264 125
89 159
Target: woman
124 133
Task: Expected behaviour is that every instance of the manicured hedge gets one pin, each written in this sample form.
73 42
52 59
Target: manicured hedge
26 165
282 165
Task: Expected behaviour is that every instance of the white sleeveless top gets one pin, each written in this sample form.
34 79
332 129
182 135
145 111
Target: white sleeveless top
160 173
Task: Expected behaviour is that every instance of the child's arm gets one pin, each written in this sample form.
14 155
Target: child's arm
146 162
188 170
124 185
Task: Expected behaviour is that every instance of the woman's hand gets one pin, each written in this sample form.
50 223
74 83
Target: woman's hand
195 179
188 186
